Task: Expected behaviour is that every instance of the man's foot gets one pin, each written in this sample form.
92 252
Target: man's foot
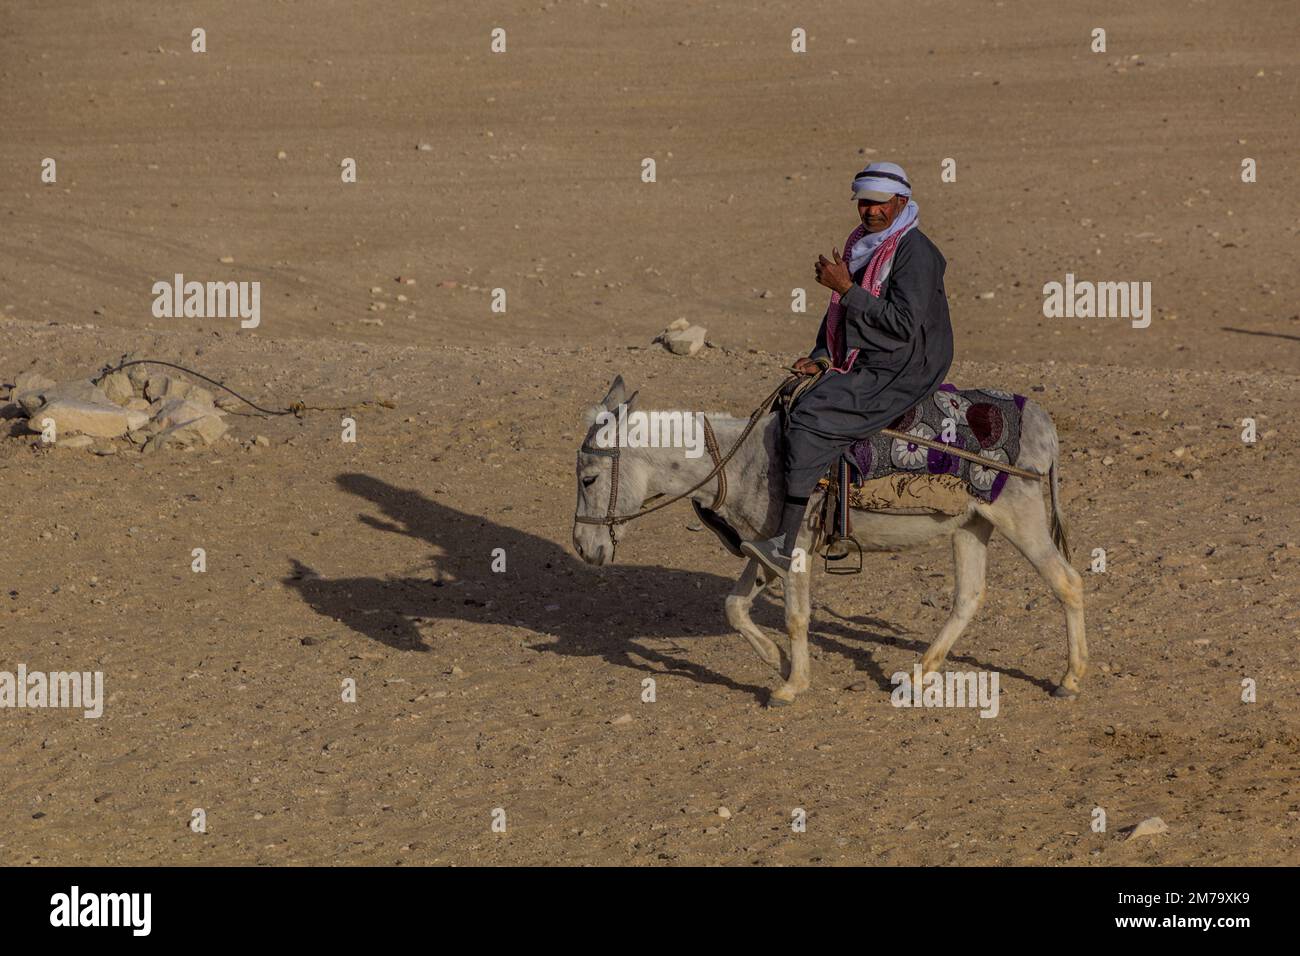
836 550
770 553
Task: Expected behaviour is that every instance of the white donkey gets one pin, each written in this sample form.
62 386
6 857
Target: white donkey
617 481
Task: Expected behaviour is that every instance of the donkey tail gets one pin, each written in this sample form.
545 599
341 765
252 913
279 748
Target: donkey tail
1058 520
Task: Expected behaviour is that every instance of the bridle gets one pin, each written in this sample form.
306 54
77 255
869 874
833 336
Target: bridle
802 383
612 520
719 471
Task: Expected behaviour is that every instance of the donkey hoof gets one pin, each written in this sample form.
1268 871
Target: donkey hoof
774 701
1064 692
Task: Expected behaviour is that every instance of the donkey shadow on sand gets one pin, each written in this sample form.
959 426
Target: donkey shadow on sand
607 612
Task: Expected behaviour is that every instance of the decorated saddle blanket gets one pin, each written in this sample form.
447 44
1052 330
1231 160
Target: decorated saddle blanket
985 421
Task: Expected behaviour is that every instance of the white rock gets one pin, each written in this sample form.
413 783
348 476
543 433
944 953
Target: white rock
75 441
200 396
177 411
29 382
685 341
167 387
158 386
182 422
203 430
139 375
197 395
678 325
118 388
207 428
1149 827
99 419
78 390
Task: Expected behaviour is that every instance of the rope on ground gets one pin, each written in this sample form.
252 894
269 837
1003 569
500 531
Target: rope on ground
296 408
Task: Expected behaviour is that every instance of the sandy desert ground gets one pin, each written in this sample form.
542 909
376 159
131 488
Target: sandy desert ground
480 690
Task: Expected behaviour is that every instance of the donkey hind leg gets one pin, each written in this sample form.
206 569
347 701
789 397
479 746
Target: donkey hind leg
1026 527
752 583
970 555
798 612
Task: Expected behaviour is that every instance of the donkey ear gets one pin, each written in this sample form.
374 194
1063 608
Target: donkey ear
614 397
630 402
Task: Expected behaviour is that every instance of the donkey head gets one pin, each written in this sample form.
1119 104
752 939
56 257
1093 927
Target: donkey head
609 481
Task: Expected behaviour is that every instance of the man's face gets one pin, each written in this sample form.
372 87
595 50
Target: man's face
877 216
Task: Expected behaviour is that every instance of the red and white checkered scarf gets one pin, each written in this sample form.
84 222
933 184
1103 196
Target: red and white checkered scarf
878 266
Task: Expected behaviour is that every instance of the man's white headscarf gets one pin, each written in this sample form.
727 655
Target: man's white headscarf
878 182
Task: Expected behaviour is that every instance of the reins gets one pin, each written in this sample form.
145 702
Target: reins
718 471
720 461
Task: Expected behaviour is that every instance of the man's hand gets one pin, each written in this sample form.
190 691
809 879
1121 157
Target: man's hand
834 274
806 366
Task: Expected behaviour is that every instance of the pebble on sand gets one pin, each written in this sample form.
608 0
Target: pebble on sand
75 441
1148 827
682 341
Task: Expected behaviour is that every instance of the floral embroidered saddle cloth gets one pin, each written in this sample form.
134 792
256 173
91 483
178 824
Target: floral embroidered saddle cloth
985 421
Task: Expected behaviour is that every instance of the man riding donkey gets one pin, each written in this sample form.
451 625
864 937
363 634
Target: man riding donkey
884 345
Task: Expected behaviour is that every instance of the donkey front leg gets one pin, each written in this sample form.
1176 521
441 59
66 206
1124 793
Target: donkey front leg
798 612
752 583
